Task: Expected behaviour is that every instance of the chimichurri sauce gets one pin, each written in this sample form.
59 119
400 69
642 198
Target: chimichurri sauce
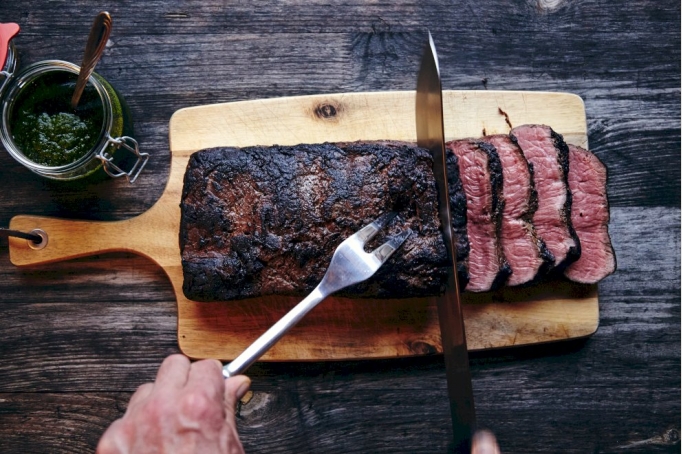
45 127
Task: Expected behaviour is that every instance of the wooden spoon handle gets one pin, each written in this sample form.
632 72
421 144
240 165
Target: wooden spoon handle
97 41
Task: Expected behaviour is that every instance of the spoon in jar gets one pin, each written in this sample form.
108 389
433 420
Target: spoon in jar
97 41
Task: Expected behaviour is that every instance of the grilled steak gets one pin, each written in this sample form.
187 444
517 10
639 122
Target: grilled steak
266 220
590 216
524 250
258 221
458 215
547 154
481 174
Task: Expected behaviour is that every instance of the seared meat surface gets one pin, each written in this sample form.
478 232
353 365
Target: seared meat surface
266 220
260 221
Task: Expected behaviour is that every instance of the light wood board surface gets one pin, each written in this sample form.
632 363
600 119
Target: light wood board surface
339 328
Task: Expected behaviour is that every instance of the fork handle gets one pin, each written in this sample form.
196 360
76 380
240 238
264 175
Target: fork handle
274 333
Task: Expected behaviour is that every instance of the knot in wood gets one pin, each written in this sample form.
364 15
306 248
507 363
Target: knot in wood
422 348
327 111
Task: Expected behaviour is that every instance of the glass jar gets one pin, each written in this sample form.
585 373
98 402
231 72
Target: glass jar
43 152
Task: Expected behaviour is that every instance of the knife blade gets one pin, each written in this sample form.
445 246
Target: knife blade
430 135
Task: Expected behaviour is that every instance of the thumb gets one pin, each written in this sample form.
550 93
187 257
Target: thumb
235 388
484 442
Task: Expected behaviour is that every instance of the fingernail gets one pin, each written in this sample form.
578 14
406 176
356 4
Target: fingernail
243 388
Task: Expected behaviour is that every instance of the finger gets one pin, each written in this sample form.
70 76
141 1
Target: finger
113 440
140 395
173 372
484 442
235 388
207 375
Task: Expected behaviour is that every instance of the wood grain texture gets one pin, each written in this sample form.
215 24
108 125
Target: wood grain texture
341 328
80 336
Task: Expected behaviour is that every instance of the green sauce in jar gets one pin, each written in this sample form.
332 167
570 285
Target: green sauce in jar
40 130
45 127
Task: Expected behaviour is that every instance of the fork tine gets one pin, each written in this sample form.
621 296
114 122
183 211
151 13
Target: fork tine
384 251
370 230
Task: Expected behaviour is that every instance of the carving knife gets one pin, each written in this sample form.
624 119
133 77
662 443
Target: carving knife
430 135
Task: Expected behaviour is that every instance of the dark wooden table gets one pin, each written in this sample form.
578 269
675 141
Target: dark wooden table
77 338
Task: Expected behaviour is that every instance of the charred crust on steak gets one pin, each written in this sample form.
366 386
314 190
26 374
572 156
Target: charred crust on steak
525 252
563 158
590 214
257 221
543 144
458 213
547 257
480 172
265 220
496 181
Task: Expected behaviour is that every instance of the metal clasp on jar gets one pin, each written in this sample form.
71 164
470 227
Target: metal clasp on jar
127 143
11 63
7 75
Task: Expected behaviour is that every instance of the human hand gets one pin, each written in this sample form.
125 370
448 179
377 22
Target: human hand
188 409
484 442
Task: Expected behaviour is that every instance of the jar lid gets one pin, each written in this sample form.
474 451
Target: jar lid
7 32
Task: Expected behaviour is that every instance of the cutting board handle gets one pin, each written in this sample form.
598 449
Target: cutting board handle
153 234
66 239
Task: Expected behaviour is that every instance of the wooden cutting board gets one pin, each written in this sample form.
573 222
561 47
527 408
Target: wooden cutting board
339 328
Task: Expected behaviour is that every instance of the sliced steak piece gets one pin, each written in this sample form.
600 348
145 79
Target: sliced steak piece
266 220
458 213
481 174
547 154
526 253
590 216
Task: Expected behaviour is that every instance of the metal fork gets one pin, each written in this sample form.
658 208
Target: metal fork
350 264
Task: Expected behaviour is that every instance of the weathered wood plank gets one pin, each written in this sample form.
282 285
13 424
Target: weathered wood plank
630 111
381 60
126 314
296 16
58 423
326 407
79 337
136 280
